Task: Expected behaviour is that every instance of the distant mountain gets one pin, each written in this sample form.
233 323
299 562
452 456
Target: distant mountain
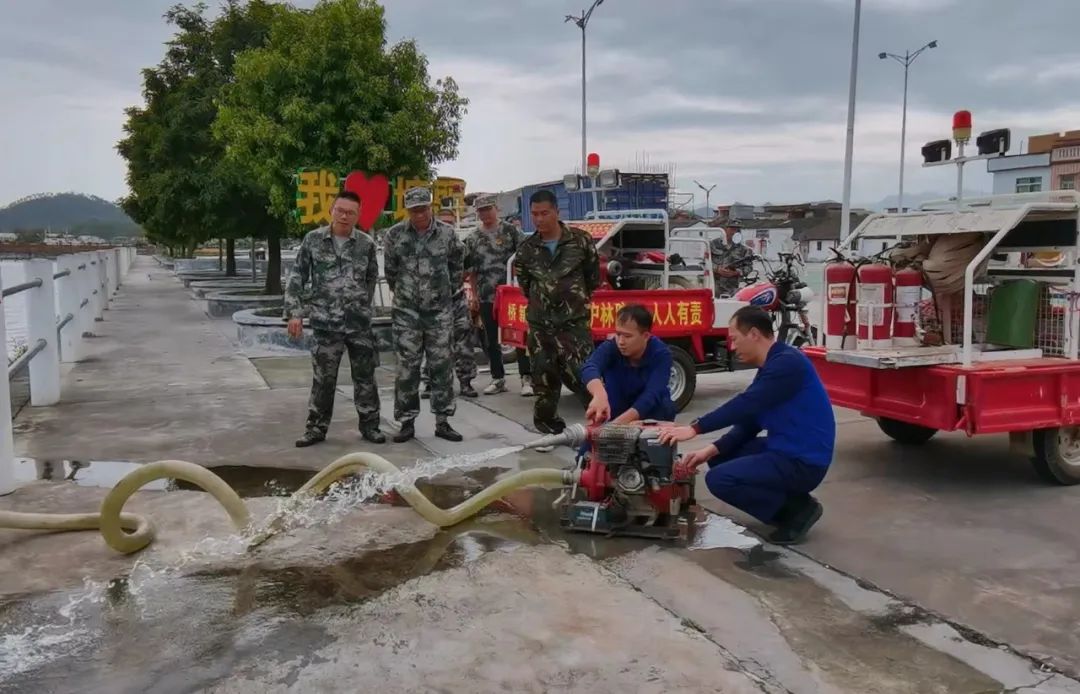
913 200
71 212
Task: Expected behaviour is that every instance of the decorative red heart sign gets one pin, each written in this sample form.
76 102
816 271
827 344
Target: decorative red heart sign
373 193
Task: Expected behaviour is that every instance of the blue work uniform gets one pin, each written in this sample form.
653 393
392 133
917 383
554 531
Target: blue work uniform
759 475
643 387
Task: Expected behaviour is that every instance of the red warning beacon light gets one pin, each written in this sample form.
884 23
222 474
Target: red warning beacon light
592 164
961 126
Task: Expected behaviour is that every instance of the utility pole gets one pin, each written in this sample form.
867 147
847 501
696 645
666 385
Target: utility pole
845 212
906 60
582 21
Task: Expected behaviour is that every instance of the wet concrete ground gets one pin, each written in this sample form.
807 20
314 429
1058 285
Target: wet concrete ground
379 599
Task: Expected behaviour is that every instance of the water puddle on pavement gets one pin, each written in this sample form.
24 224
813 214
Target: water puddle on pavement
155 597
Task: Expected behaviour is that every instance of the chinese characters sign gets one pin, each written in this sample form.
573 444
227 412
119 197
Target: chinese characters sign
315 192
317 188
675 312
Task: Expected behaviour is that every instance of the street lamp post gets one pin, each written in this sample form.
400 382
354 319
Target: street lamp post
849 149
906 60
707 192
582 21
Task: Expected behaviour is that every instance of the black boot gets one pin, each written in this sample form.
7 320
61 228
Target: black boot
408 431
371 433
467 390
444 431
798 523
310 438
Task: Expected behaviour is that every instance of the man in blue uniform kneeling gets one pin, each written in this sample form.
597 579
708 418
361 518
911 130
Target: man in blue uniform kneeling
769 477
628 377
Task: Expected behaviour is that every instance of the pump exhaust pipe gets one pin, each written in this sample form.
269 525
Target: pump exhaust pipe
572 436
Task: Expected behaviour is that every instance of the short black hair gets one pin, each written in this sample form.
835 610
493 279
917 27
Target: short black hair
749 317
544 195
347 195
637 314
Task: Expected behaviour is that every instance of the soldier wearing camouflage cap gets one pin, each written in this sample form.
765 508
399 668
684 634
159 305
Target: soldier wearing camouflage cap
332 284
558 269
422 258
487 251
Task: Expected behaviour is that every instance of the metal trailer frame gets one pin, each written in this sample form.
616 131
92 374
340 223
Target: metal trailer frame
996 214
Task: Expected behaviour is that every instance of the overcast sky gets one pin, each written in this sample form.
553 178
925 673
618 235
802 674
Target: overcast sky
748 94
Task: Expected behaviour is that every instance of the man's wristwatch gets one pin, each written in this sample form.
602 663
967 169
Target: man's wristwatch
695 426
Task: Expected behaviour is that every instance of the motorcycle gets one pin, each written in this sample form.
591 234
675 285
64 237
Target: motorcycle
783 294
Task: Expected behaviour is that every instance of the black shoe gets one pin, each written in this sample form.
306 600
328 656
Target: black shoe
798 525
408 431
372 434
467 391
310 438
444 431
551 426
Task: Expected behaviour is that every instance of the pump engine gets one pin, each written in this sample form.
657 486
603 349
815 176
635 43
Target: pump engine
624 483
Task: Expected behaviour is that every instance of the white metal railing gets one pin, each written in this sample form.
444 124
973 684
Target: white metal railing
64 297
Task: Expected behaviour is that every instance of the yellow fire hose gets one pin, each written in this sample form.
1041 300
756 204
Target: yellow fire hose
129 532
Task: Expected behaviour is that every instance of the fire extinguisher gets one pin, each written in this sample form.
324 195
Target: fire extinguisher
909 283
874 322
840 304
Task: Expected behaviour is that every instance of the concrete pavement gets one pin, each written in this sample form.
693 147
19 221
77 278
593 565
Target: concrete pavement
373 597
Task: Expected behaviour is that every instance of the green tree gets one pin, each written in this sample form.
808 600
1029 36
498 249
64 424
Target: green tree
327 91
183 191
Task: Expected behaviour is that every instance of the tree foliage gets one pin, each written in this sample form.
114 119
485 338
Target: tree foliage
182 189
240 102
326 91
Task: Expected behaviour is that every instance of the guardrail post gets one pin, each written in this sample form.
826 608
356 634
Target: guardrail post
7 440
41 325
114 271
68 297
102 300
85 316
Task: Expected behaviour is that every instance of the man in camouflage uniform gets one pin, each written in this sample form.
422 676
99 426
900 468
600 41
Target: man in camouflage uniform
728 261
558 269
487 250
332 284
464 358
422 258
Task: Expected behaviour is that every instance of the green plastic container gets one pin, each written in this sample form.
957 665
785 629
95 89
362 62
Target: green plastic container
1013 310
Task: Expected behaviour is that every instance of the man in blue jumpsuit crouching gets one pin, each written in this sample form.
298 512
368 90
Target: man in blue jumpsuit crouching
628 376
769 477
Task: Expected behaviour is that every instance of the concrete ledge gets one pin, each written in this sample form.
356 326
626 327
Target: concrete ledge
265 328
201 288
225 304
189 278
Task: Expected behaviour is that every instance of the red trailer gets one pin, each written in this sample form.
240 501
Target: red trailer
636 267
998 328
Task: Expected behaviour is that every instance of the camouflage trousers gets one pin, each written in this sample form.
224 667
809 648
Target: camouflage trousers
557 357
326 350
462 347
420 335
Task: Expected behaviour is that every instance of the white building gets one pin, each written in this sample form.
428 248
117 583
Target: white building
1020 173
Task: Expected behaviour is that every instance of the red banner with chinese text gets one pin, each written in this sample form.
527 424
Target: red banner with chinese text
676 312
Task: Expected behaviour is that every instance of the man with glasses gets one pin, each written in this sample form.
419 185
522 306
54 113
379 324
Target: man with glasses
332 284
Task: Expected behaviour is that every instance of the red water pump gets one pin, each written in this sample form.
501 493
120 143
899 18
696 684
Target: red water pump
625 483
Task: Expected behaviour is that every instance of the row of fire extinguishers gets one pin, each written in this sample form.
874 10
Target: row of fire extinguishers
870 305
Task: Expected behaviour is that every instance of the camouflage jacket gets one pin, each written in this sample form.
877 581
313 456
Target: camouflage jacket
425 271
486 255
334 292
726 255
559 289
